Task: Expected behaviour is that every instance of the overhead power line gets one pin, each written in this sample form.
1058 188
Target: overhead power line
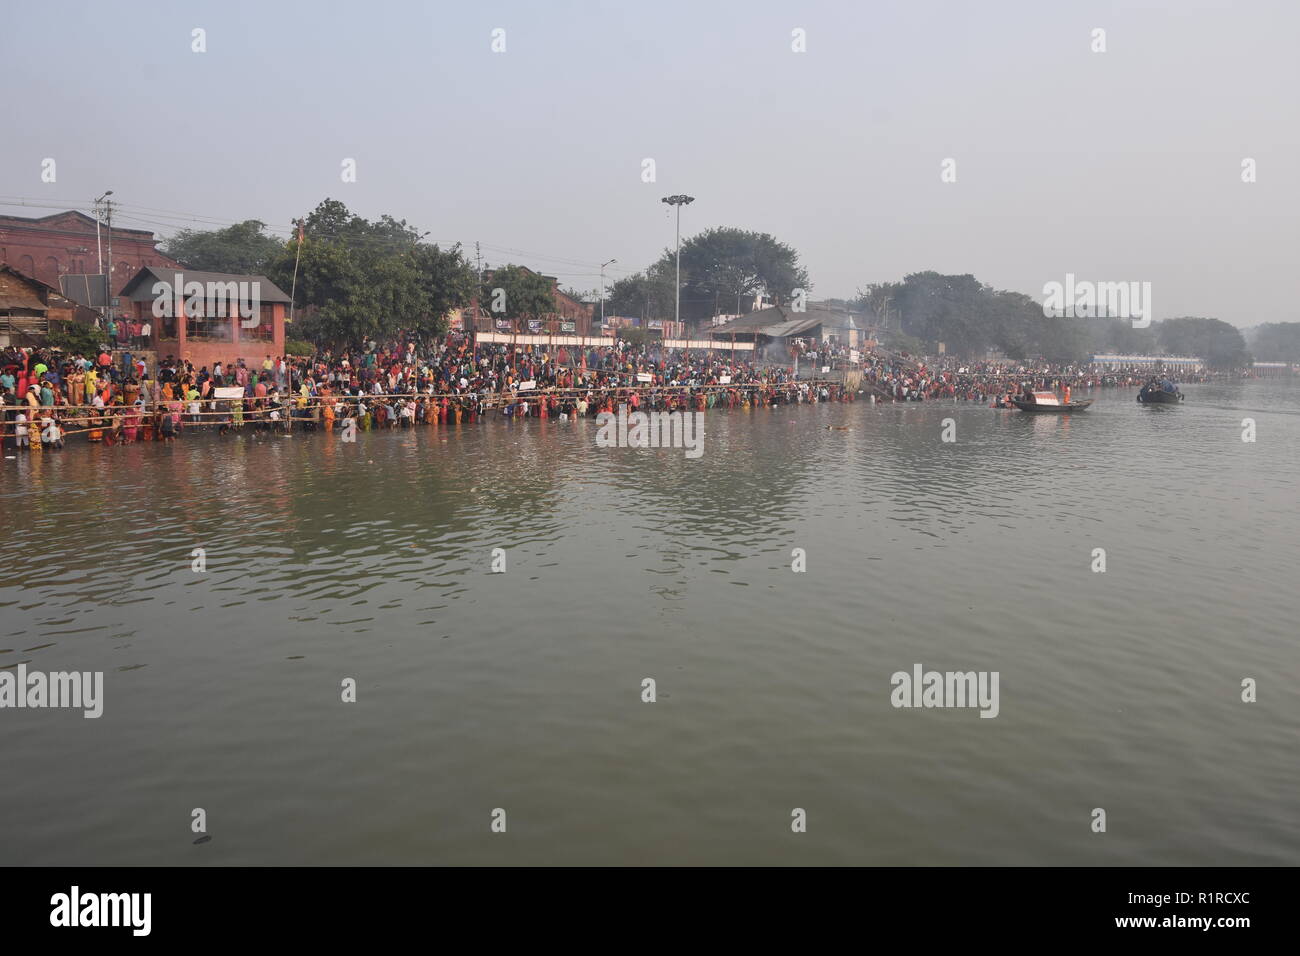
172 221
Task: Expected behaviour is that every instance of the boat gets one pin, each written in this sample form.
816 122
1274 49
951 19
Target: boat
1155 394
1047 403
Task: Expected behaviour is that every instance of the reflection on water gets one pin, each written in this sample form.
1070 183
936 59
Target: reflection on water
523 690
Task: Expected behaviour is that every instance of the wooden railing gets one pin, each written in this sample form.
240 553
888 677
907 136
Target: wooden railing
24 324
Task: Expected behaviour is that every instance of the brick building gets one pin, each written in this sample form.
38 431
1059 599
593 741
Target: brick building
63 243
212 329
28 306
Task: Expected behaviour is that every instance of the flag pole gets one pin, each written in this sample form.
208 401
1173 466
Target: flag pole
297 256
288 387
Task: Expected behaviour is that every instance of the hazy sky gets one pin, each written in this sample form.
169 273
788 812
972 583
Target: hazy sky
1122 165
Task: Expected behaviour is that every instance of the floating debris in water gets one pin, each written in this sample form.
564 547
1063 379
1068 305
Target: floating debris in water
203 839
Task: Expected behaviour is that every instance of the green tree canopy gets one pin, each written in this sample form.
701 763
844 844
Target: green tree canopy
720 266
1219 344
971 318
515 293
1276 341
645 295
371 279
242 249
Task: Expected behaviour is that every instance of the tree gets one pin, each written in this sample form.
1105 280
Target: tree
1107 334
449 282
879 300
720 266
516 293
970 318
75 338
949 309
646 295
1217 343
371 280
1276 341
241 249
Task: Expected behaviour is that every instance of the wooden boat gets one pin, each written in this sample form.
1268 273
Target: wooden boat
1048 403
1158 396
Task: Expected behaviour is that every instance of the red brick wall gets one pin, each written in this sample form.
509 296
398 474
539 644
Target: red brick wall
64 243
200 352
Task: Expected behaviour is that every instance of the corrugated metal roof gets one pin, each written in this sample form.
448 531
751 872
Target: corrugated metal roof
87 290
18 291
140 288
779 321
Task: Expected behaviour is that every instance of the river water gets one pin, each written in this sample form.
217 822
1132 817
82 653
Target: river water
522 691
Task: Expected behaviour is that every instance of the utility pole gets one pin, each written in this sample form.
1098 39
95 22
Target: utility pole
99 246
602 289
678 201
478 292
99 214
108 206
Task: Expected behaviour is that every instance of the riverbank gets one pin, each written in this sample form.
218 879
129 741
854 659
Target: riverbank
51 428
344 416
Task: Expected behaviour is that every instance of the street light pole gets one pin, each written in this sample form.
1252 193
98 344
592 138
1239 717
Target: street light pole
99 246
679 201
602 290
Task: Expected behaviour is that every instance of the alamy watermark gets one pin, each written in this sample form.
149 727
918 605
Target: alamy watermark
948 689
23 688
1084 300
651 430
75 908
212 299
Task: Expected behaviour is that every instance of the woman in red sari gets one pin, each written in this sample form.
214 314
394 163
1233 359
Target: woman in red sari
131 423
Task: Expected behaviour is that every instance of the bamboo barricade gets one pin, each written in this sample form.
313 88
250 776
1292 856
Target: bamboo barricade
94 418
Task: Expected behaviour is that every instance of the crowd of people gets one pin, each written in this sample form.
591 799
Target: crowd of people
116 398
120 399
992 383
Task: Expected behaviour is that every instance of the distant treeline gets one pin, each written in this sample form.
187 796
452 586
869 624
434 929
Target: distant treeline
971 319
366 279
1275 341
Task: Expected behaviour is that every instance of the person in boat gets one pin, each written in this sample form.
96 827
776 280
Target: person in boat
1028 394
